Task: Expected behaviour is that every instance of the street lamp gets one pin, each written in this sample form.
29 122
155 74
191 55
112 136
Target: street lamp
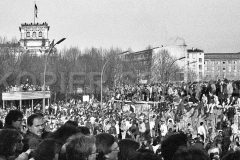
103 72
45 68
167 72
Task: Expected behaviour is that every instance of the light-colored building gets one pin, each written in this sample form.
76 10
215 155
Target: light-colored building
34 37
194 68
222 65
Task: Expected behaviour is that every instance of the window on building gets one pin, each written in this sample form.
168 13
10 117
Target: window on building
40 34
229 68
234 62
223 62
224 69
235 68
218 68
230 62
235 74
188 55
205 68
34 34
200 75
200 60
205 62
218 62
200 67
28 34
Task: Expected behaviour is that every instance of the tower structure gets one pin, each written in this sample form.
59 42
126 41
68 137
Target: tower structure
34 38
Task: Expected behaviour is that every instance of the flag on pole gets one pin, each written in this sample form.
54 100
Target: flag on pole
36 10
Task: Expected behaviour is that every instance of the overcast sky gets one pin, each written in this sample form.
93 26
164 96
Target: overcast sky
210 25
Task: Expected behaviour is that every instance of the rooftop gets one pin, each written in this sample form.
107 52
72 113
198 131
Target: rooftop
194 50
36 24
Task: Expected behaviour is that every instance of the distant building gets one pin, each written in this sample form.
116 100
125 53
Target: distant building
222 65
34 38
13 48
139 63
194 66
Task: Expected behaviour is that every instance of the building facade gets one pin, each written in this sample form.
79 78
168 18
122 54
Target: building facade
222 65
34 38
139 63
194 67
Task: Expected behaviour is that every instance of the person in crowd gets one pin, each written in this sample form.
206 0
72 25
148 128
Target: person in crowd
14 120
8 144
190 153
127 148
145 156
34 133
123 128
107 147
202 131
19 146
171 144
163 127
134 130
82 147
232 156
48 149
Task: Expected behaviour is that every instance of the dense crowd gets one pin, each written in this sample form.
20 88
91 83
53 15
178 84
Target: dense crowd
187 121
26 87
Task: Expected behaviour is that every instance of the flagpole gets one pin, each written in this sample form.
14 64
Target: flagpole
34 12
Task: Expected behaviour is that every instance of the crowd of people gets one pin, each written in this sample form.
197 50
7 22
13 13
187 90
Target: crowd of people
26 87
187 121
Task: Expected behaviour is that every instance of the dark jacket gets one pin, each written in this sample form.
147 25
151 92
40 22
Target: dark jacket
29 136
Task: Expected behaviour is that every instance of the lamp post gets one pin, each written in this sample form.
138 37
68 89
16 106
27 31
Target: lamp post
103 72
167 72
45 68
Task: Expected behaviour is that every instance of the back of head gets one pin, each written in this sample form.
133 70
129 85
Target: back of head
232 156
190 154
46 150
73 123
80 148
127 148
12 116
104 141
63 133
84 130
145 156
171 145
198 154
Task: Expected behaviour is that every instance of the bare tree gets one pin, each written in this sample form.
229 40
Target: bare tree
163 67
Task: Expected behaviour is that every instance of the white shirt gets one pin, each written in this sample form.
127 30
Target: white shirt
117 127
142 128
152 124
202 131
234 128
163 129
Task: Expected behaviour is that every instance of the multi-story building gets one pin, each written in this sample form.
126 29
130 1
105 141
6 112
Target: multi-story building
139 63
194 67
222 65
34 38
